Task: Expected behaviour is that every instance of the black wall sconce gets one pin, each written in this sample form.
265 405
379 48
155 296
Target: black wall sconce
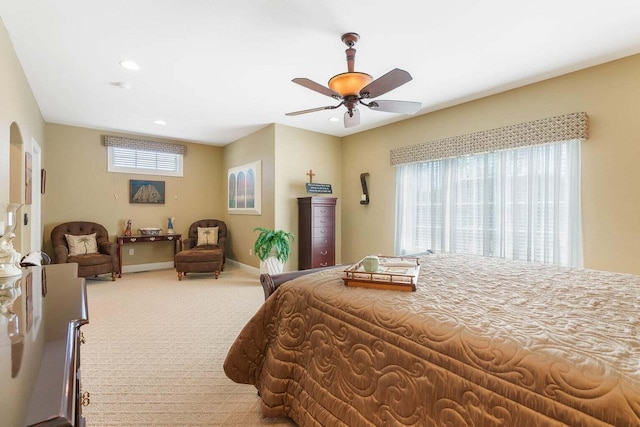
364 199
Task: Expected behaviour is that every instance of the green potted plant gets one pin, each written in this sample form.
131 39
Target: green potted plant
273 247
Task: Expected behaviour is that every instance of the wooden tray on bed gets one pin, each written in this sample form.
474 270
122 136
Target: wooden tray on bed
394 273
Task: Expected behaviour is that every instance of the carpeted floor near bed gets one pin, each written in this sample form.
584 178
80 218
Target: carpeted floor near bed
155 347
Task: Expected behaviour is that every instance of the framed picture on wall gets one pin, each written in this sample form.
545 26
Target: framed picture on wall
143 191
244 184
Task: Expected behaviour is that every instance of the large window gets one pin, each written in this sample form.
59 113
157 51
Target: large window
520 203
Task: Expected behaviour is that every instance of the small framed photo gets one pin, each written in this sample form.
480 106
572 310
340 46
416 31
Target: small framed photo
143 191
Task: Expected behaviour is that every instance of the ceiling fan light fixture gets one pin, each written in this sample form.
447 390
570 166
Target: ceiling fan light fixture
346 84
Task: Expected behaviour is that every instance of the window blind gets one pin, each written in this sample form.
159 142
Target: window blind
129 158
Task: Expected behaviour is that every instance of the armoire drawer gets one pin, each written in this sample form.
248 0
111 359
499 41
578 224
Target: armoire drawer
322 242
323 211
323 257
323 232
322 221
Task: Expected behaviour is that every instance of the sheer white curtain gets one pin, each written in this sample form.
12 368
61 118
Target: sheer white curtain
522 204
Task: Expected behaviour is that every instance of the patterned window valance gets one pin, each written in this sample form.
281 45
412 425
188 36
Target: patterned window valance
559 128
141 144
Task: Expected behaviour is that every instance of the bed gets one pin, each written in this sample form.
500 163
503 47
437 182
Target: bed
482 342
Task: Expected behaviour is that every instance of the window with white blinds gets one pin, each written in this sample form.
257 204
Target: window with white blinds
128 160
521 204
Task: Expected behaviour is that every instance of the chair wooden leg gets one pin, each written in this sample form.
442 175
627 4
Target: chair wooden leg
217 273
113 276
179 275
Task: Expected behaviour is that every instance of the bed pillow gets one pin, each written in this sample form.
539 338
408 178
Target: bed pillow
82 245
207 236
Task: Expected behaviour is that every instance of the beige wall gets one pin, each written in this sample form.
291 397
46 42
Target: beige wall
610 205
80 188
610 172
257 146
17 107
287 154
296 152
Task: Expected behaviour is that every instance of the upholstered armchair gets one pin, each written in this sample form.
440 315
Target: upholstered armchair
87 244
203 253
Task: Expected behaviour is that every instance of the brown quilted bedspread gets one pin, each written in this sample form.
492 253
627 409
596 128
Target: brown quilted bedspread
482 342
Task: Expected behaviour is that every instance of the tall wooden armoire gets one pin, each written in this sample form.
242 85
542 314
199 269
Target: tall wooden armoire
316 232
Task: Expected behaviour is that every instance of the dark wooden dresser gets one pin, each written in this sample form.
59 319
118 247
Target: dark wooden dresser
316 232
40 318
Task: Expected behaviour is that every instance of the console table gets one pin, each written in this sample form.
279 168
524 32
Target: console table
40 339
139 238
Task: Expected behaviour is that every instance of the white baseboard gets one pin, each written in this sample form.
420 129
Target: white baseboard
245 267
135 268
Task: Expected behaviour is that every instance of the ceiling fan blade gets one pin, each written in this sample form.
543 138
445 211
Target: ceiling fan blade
353 119
312 110
310 84
402 107
393 79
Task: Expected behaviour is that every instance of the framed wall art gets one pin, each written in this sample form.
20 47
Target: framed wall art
143 191
245 189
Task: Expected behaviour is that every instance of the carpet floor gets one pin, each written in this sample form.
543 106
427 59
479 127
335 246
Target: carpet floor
155 347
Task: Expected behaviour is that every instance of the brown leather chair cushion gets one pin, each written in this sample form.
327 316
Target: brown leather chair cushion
90 259
199 255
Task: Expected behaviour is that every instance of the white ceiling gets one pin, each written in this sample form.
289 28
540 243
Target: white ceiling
217 70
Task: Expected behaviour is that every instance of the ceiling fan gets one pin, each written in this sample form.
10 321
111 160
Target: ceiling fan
352 88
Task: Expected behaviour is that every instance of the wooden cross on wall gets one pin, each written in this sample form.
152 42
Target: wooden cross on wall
311 175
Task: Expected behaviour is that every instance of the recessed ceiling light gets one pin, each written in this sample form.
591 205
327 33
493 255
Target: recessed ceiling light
121 85
160 122
334 119
129 65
